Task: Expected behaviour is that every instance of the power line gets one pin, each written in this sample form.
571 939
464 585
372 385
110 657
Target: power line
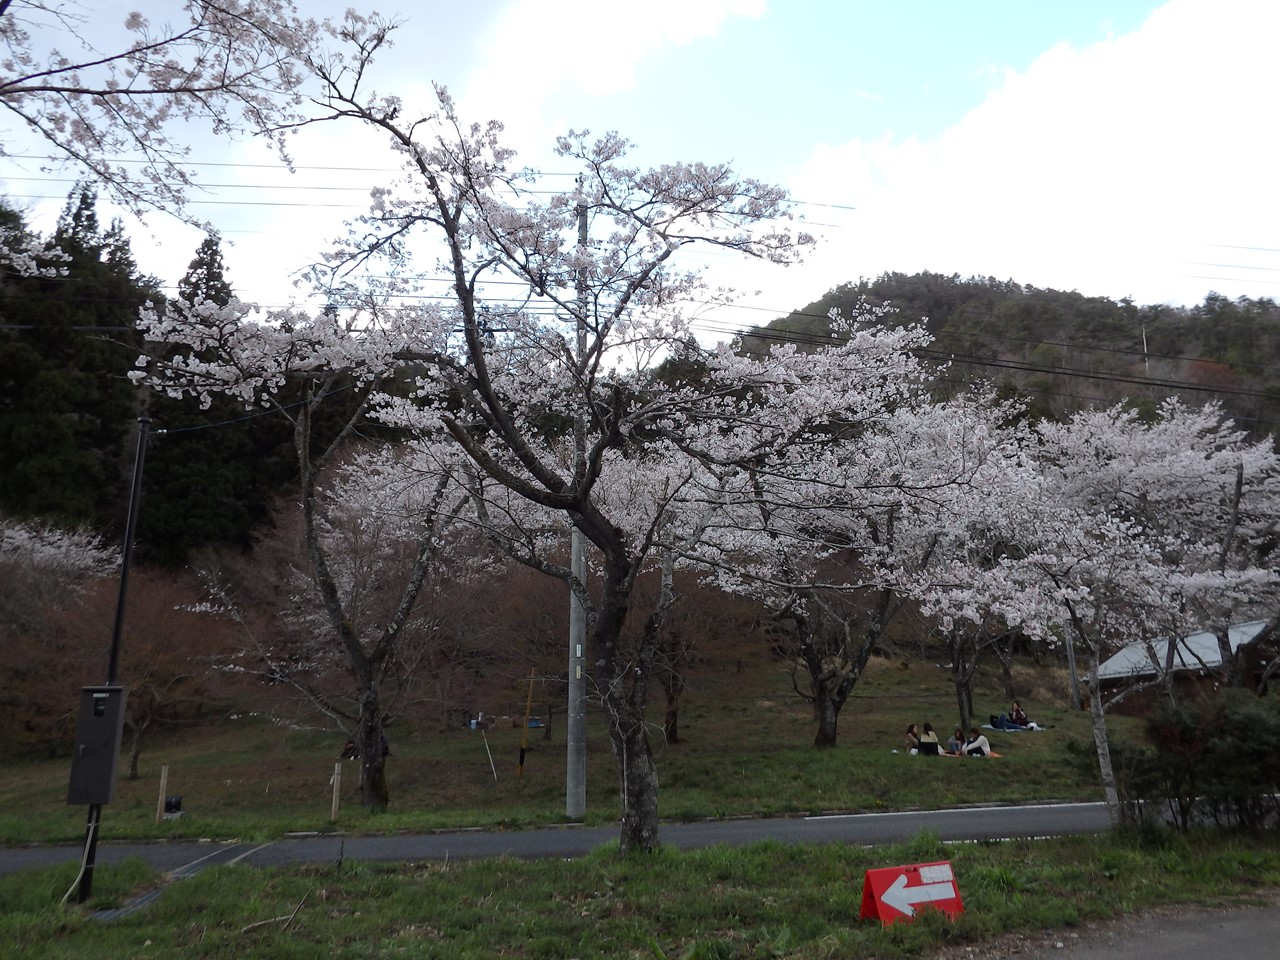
797 336
1205 276
548 310
767 333
363 188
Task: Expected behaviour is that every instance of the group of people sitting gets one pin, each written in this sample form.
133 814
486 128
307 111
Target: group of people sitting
927 743
974 745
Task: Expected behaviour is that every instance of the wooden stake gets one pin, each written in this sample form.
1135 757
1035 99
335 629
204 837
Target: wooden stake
164 787
337 792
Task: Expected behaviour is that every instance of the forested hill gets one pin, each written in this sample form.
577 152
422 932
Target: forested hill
1063 350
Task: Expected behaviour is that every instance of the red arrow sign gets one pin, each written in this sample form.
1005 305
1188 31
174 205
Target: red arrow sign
893 894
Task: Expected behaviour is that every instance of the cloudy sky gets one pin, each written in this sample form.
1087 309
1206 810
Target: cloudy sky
1124 148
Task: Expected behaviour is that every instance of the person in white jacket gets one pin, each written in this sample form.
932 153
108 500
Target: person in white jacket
977 745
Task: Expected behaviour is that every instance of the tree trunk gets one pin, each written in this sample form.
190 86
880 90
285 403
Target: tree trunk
138 728
1231 675
638 783
1075 676
671 721
671 669
964 694
374 794
625 687
829 687
1005 652
828 716
964 660
1166 670
1102 744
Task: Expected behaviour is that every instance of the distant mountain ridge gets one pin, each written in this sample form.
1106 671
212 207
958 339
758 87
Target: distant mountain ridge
1063 350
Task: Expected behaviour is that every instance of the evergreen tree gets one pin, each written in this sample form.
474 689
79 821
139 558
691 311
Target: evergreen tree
211 474
67 407
206 276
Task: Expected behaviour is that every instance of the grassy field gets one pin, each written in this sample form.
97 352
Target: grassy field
747 753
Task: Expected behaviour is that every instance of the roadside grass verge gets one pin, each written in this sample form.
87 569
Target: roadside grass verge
766 900
747 752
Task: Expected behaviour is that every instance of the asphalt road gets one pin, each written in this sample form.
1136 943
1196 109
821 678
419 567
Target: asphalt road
1169 933
970 823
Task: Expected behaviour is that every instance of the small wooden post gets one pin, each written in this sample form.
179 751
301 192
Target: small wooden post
337 791
164 788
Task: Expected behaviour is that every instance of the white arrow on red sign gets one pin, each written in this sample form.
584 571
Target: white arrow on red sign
903 898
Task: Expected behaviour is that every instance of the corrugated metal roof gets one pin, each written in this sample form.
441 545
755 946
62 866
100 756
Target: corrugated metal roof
1190 652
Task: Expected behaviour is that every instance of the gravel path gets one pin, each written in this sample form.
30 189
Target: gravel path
1238 930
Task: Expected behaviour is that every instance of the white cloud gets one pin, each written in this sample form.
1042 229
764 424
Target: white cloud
541 50
1103 169
1112 169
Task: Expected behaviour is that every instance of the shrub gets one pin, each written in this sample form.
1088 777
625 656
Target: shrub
1213 760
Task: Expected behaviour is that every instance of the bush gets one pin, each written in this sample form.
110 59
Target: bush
1215 760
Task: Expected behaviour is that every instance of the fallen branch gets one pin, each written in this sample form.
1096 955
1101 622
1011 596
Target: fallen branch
288 918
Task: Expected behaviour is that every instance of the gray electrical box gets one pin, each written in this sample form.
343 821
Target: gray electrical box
97 747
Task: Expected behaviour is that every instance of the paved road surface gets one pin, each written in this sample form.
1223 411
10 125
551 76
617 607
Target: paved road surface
971 823
1170 933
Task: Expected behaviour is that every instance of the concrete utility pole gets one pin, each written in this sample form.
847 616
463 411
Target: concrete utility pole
575 784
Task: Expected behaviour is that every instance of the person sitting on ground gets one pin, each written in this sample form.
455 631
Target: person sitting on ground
955 746
912 739
1017 716
977 745
929 745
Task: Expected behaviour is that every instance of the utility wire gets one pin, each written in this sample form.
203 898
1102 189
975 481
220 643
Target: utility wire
319 168
714 326
796 337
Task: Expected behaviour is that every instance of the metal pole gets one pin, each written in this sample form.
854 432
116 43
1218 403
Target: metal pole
524 729
113 661
575 795
575 787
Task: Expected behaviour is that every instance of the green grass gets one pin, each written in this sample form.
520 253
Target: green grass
748 752
768 900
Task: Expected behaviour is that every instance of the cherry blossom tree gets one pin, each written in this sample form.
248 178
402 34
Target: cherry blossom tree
369 521
321 374
1128 531
121 101
44 569
847 522
1193 485
45 566
518 386
649 490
